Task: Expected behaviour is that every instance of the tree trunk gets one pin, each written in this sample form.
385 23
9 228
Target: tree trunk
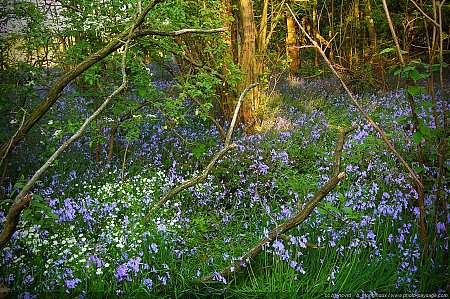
356 31
247 63
370 26
292 50
315 31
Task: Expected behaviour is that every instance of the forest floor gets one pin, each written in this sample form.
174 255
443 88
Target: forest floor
85 234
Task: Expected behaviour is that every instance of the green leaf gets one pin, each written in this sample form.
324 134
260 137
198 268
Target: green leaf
53 215
437 66
414 74
397 72
426 131
401 119
37 197
322 211
41 206
348 210
433 156
387 50
417 137
199 150
332 208
415 90
427 104
420 170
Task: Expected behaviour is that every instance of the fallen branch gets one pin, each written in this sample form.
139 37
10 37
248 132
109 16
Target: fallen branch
297 219
338 150
279 230
202 178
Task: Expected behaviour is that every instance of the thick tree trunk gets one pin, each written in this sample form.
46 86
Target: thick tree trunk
247 63
292 49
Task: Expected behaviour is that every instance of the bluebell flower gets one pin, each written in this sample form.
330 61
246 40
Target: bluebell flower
148 283
94 260
72 283
293 264
122 273
219 277
133 264
278 246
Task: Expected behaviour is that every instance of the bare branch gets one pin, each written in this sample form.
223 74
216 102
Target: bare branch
338 150
425 14
15 134
356 103
149 31
394 35
202 178
236 112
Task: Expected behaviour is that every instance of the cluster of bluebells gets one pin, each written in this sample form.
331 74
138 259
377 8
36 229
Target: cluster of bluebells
100 232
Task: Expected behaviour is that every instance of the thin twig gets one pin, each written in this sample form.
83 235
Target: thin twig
14 136
424 13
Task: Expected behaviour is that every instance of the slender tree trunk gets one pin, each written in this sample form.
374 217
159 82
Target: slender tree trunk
370 26
419 184
372 51
315 31
356 32
331 31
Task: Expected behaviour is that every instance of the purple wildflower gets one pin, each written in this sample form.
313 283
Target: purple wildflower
154 247
293 264
72 283
278 246
134 264
148 283
93 260
122 273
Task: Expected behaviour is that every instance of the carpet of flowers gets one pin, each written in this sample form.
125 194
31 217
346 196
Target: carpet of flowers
86 232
